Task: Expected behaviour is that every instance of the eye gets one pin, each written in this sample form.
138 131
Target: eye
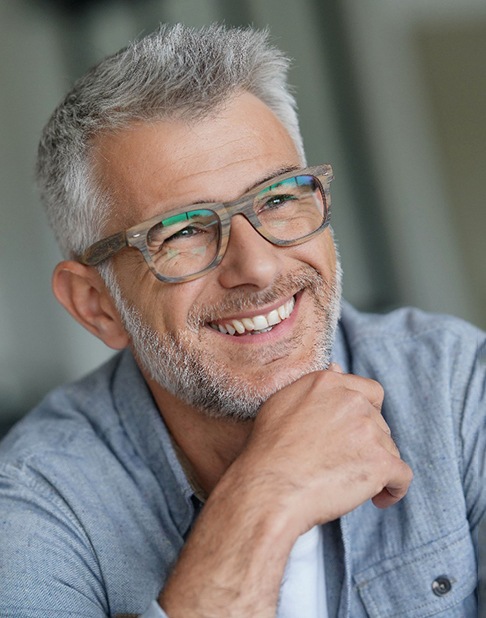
186 232
181 239
276 201
185 225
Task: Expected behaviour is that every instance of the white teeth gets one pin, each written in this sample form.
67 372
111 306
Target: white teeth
273 318
257 324
238 326
248 323
260 322
265 330
289 306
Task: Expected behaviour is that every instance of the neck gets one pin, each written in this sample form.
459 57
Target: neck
209 445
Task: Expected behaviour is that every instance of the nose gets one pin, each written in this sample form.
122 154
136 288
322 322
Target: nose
249 259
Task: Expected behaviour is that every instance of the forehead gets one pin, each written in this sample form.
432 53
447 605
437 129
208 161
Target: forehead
151 167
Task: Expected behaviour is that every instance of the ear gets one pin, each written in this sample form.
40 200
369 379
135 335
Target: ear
82 292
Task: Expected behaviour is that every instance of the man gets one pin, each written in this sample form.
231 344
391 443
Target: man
238 457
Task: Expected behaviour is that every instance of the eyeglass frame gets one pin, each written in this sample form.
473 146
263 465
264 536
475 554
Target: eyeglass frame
136 236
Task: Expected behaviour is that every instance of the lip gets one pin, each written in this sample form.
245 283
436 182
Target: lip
277 331
254 312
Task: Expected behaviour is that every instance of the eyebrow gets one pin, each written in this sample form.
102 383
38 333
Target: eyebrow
278 172
274 174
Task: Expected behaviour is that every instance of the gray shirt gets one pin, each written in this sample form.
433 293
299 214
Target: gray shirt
95 507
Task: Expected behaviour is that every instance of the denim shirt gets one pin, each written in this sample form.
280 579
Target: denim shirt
95 507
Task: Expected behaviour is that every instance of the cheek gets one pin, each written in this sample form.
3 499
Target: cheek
320 253
162 306
166 306
329 250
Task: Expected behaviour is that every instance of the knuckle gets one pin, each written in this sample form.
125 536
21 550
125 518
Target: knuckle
380 391
377 393
408 473
328 377
357 400
367 428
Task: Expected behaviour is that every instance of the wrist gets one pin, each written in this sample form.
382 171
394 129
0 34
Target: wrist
234 559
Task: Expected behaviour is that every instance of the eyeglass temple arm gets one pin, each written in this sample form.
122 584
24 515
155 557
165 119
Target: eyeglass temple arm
103 249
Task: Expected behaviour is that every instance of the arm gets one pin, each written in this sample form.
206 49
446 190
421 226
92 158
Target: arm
46 563
319 449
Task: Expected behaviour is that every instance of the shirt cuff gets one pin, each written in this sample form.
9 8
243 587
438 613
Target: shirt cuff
154 611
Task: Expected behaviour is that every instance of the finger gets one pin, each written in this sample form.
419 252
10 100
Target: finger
380 421
385 437
371 389
396 488
391 446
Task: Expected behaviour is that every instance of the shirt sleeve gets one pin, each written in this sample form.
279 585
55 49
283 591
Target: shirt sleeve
154 611
47 566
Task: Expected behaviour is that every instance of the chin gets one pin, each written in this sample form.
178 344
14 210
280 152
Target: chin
240 398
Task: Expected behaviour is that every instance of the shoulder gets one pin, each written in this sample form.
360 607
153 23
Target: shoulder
70 429
66 410
428 362
404 323
414 338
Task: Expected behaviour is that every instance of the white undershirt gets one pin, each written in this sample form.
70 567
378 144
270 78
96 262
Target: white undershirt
303 590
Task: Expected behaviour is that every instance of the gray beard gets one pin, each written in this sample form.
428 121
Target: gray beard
201 380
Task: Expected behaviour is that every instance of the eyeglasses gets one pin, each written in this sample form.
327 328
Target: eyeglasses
184 244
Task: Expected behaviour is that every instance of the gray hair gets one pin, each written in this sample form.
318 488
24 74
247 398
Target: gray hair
175 72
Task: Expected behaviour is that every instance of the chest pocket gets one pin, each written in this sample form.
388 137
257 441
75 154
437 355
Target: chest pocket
436 579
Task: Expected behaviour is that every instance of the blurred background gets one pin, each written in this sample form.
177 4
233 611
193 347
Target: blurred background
392 93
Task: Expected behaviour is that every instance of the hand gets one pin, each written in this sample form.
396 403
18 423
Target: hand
319 448
324 448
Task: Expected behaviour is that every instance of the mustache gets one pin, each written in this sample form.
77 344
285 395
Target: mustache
283 286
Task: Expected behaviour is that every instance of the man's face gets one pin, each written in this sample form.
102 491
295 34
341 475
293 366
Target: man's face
180 332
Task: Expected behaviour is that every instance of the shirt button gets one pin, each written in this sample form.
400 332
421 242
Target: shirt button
441 586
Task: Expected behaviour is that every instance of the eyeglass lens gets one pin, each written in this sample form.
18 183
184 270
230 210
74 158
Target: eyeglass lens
187 243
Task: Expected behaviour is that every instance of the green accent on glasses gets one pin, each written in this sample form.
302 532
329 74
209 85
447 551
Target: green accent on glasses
182 245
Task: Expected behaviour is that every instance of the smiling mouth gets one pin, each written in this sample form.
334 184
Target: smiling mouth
257 324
